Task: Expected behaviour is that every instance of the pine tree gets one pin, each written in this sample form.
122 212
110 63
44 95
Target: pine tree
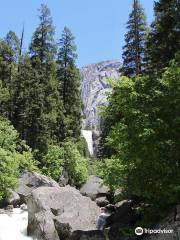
8 68
45 97
134 48
69 86
164 38
43 45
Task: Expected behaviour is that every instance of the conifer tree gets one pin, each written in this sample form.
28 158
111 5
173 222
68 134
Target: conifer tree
43 45
134 48
8 68
69 86
45 103
164 38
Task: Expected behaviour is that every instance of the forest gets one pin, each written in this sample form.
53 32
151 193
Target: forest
41 111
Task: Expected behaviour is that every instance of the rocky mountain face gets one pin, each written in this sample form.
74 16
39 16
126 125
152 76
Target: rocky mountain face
95 88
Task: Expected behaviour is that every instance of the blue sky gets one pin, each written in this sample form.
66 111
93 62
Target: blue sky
98 25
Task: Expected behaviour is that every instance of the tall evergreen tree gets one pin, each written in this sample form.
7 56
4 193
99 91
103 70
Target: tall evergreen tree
8 68
43 45
134 48
45 104
69 85
164 38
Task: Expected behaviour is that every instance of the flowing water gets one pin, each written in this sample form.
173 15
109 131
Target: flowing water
14 225
87 134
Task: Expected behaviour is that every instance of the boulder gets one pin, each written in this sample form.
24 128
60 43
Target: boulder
121 219
95 188
56 212
31 180
102 201
123 214
13 199
64 179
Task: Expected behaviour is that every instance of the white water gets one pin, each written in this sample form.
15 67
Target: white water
87 134
14 226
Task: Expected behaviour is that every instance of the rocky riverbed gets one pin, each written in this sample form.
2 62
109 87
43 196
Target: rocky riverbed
66 213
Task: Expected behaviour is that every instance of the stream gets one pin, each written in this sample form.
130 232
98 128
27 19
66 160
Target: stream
14 225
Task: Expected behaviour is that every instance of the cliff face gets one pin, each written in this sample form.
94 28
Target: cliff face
95 88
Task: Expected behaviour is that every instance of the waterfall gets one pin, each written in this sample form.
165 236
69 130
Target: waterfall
87 134
14 225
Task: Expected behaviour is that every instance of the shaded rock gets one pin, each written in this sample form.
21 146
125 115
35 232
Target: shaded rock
64 179
13 199
110 208
123 215
30 181
102 201
23 191
9 208
55 211
95 188
41 225
63 230
120 220
34 180
88 235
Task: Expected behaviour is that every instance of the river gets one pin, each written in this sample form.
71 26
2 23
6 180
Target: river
14 225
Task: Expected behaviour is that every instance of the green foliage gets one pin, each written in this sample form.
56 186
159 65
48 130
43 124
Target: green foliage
75 164
145 138
45 105
163 41
53 162
8 172
8 136
65 157
15 157
82 147
111 170
134 48
27 161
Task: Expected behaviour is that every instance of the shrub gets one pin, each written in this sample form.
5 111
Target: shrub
75 164
9 170
53 162
13 159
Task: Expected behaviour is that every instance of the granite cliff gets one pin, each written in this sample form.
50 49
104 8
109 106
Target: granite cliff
95 88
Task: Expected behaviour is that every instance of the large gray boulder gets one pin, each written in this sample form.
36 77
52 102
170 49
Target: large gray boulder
94 188
29 181
57 212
